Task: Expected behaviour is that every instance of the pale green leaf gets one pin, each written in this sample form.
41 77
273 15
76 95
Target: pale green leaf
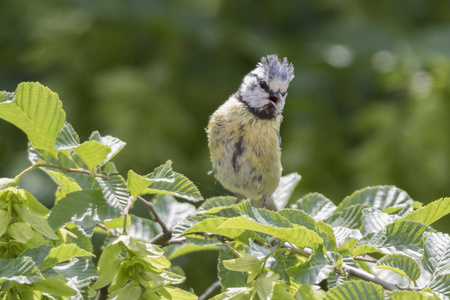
85 208
92 153
66 183
355 290
350 217
191 245
408 295
401 264
436 256
137 184
143 228
54 286
430 213
5 220
38 112
7 182
316 205
284 190
113 143
36 221
176 293
298 217
227 277
21 270
297 235
67 138
264 288
115 190
20 231
63 253
108 265
211 205
441 284
239 293
403 237
379 197
375 220
246 263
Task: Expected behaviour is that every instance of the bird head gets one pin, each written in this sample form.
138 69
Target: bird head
264 89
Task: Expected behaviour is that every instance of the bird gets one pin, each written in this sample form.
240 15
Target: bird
244 132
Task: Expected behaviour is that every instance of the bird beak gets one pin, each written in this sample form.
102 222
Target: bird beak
275 97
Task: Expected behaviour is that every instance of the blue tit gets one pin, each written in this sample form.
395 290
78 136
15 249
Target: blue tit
244 133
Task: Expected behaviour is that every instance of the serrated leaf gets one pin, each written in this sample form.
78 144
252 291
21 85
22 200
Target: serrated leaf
379 197
54 286
284 190
430 213
67 138
314 270
355 290
298 217
113 143
36 221
408 295
63 253
77 237
436 256
297 235
37 111
216 202
138 184
441 284
374 220
316 205
66 183
92 153
401 264
115 190
399 237
85 208
349 217
143 228
21 270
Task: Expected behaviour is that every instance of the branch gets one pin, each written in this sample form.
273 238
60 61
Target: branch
209 290
167 232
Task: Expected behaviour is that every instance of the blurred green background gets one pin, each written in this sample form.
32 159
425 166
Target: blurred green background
369 104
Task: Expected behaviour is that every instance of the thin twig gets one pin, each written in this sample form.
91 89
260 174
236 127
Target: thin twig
125 213
167 232
209 290
235 252
109 232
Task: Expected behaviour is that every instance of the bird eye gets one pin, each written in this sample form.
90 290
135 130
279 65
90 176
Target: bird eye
263 85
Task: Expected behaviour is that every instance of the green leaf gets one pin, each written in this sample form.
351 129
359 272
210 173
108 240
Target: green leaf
355 290
143 228
66 183
20 231
227 277
172 211
191 245
436 256
379 197
441 284
284 190
138 184
7 182
241 293
298 217
85 208
37 111
55 287
211 205
349 217
374 220
316 205
5 220
314 270
113 143
246 263
401 264
115 190
36 221
67 138
399 237
264 288
78 269
297 235
176 293
430 213
408 295
108 265
63 253
92 153
21 270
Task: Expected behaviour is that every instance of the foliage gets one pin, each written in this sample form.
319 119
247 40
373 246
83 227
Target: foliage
377 244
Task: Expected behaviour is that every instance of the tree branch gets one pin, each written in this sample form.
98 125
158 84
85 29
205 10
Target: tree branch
209 290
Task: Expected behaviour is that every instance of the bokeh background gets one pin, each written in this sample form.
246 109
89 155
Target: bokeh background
369 104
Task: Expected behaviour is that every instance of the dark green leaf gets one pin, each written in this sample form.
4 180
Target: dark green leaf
355 290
